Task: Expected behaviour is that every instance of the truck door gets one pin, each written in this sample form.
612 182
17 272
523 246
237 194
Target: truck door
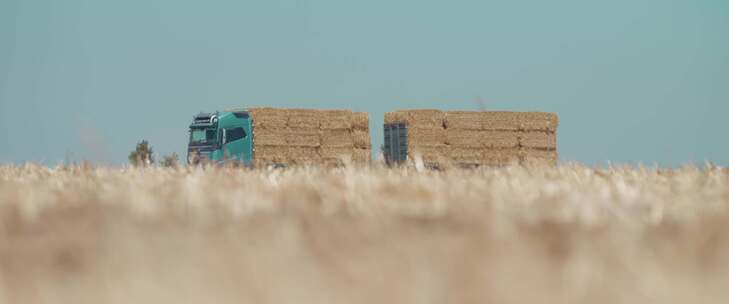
238 139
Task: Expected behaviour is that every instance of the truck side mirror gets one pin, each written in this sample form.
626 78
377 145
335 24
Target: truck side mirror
224 136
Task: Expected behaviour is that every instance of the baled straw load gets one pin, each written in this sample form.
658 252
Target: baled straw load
310 137
479 138
426 133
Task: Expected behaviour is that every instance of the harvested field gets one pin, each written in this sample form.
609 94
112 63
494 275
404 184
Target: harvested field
564 234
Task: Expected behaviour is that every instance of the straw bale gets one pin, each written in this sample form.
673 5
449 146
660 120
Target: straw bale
426 118
330 162
360 121
538 139
463 138
434 153
337 138
475 139
266 111
336 152
497 120
269 117
499 139
396 117
336 120
269 121
426 137
423 119
361 155
273 154
361 139
303 138
539 156
500 156
538 121
470 155
306 161
305 119
269 136
463 120
303 153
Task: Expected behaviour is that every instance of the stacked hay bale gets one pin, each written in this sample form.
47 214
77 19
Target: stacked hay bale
479 138
309 137
426 133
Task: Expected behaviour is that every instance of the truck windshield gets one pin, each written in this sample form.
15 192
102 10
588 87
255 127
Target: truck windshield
200 136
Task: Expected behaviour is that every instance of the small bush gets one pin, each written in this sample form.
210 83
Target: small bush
171 161
142 155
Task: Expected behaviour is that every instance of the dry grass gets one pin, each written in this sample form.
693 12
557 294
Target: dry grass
568 234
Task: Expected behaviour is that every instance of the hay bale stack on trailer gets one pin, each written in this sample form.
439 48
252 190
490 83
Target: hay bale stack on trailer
469 138
309 136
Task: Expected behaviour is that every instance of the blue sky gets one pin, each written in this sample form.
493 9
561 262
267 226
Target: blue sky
632 81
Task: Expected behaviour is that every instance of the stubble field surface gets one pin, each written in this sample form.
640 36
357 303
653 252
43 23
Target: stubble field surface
566 234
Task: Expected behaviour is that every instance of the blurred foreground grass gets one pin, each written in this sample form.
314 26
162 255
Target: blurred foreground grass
568 234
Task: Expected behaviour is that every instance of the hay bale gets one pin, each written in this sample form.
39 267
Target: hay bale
475 138
337 138
396 117
426 118
361 155
299 154
500 157
269 118
430 154
360 121
500 121
539 156
499 139
304 119
303 138
265 111
361 139
269 136
462 120
541 121
340 153
270 154
426 136
465 155
423 119
463 138
538 139
331 163
336 120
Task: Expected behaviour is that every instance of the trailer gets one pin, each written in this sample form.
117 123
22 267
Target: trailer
470 138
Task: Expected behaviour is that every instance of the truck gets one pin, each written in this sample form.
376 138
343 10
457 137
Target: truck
259 137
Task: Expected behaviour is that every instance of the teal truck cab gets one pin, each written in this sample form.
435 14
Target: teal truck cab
221 138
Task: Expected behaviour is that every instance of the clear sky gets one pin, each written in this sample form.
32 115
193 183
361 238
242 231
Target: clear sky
632 81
